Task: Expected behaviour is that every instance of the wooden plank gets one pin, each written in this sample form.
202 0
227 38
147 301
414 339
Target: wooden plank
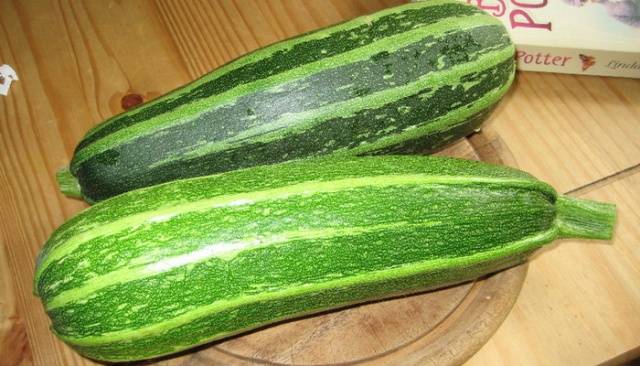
570 130
209 34
14 346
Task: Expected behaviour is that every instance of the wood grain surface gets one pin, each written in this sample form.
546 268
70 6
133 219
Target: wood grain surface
580 303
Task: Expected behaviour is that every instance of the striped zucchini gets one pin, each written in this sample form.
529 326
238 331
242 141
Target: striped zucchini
408 78
165 268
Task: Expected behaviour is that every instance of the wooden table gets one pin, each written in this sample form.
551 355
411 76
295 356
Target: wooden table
76 59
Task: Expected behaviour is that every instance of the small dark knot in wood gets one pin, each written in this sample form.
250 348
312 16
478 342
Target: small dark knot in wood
131 100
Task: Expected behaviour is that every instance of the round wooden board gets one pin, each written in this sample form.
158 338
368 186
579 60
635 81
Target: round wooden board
443 327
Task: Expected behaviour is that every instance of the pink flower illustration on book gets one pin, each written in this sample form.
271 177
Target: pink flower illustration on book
587 61
626 11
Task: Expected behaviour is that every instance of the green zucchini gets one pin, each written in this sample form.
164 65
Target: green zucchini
413 77
165 268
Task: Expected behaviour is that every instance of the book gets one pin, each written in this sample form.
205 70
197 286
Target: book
589 37
592 37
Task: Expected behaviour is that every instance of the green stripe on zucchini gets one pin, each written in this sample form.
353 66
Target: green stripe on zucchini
418 75
164 268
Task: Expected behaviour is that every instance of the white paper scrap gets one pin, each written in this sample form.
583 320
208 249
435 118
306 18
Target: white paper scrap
7 76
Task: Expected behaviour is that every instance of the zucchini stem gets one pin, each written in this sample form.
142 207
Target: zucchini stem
67 183
580 218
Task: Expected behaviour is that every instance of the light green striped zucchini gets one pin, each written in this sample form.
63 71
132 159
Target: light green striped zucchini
165 268
409 78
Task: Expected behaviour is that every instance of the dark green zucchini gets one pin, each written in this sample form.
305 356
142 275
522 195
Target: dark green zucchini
409 78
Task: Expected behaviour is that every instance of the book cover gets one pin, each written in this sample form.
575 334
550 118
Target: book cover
593 37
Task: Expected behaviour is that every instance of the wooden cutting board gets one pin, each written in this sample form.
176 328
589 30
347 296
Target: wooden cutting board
443 327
